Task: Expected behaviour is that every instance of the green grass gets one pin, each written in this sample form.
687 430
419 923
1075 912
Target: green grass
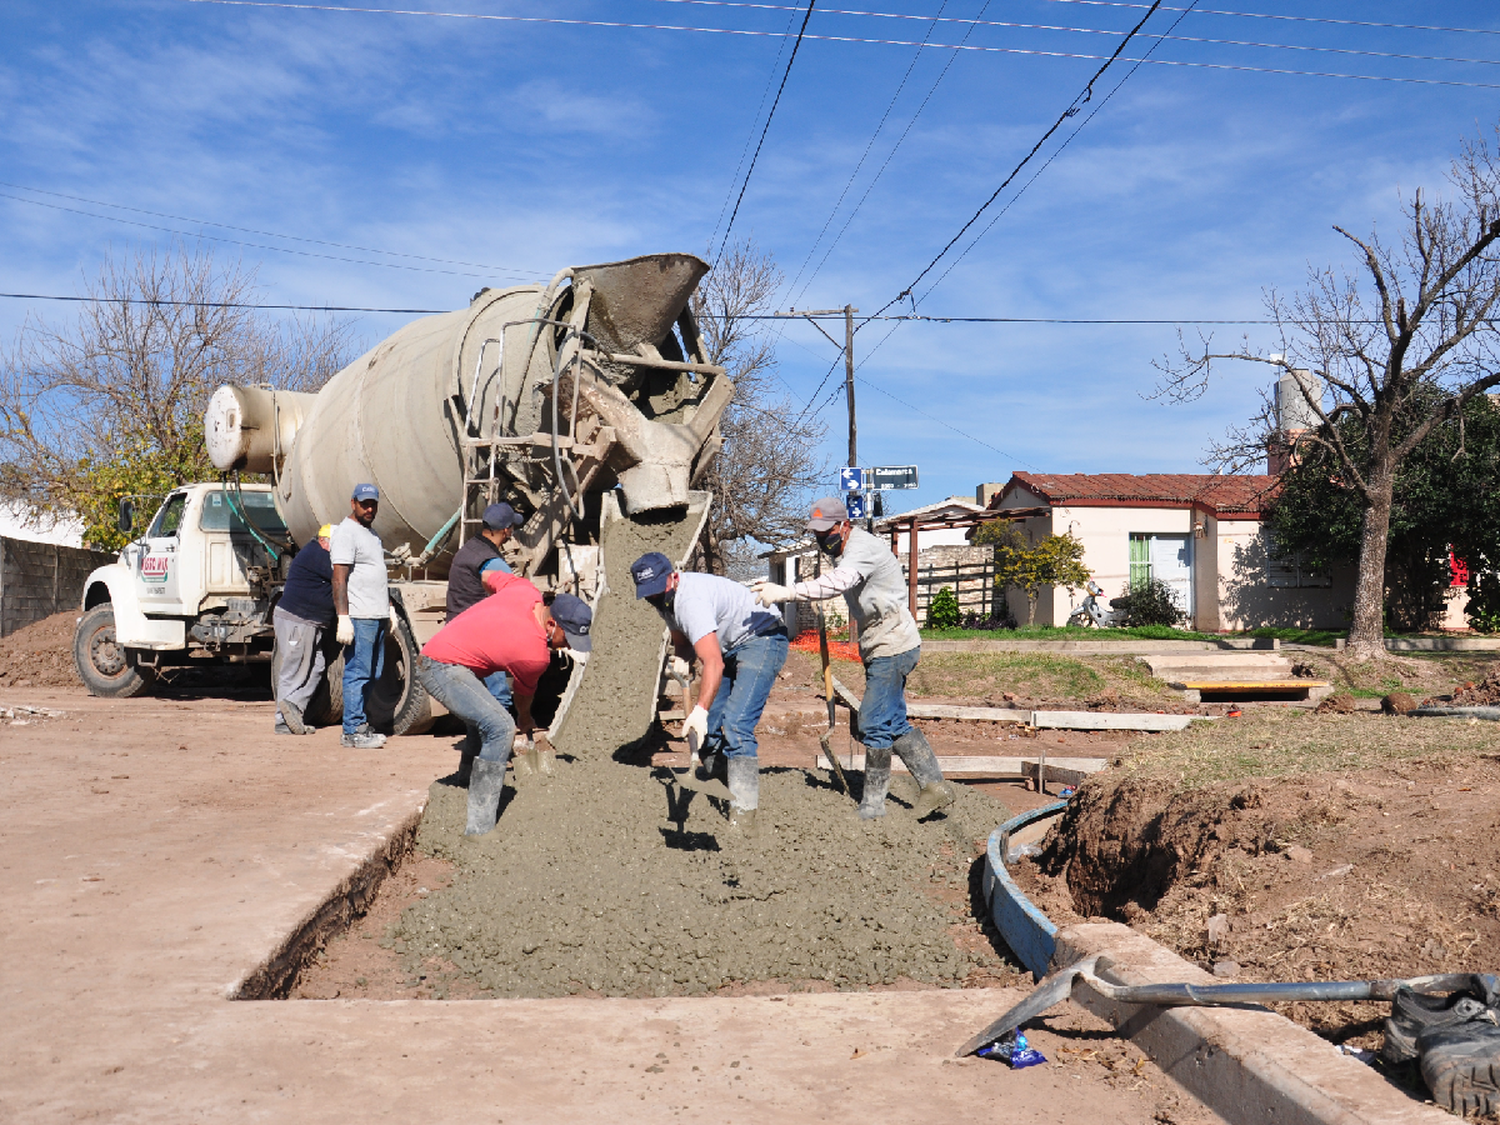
1289 743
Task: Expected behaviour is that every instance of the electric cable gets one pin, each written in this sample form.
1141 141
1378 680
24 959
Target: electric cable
982 48
1073 107
750 171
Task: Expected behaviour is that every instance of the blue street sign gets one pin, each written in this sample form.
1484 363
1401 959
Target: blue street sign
850 479
856 505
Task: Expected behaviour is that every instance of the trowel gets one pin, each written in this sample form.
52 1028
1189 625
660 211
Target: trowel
1058 987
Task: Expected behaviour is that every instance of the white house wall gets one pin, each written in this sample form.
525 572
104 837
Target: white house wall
1105 534
1247 600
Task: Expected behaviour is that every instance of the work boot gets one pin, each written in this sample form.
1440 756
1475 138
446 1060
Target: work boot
364 738
877 782
917 754
1461 1066
1414 1013
291 717
744 791
485 782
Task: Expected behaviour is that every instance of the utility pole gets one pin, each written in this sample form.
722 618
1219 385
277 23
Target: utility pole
849 312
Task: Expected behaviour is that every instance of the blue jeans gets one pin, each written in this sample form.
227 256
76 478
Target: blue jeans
466 695
364 661
882 711
499 686
749 673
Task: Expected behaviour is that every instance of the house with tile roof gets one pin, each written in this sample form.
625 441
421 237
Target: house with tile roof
1202 534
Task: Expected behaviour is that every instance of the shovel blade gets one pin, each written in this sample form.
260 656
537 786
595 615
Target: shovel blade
713 787
1052 991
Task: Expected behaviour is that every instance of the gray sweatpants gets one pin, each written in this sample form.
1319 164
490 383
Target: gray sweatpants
302 660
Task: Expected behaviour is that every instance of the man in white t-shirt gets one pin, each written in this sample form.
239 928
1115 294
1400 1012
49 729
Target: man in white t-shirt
362 602
870 578
742 647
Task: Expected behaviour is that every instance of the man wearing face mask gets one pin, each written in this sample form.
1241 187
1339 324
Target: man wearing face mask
870 578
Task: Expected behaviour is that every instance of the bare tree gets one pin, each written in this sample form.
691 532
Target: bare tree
1411 319
113 403
770 462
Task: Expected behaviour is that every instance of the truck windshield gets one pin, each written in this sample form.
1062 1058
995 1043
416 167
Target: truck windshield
169 520
260 507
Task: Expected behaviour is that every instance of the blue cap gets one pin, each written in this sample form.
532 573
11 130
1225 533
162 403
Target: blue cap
651 572
501 515
365 492
575 617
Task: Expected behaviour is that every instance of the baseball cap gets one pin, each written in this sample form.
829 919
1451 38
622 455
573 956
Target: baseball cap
827 512
365 492
501 515
575 617
325 531
651 572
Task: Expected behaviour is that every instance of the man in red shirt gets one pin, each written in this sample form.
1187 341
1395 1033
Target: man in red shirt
510 631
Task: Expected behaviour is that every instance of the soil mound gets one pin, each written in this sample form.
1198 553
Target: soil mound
1485 693
1339 703
601 882
41 654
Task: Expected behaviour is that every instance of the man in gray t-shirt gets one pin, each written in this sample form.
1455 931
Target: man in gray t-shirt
362 602
870 578
742 647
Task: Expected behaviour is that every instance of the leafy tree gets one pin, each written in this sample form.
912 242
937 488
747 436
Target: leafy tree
1417 315
1055 560
1438 502
770 461
112 405
943 612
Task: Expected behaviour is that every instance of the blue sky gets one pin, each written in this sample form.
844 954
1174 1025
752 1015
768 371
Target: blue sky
495 150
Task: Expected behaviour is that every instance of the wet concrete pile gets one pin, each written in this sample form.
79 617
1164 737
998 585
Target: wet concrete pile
600 882
613 705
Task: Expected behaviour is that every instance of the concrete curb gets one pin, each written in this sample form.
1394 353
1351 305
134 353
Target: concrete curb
1492 714
1442 644
1250 1065
1121 647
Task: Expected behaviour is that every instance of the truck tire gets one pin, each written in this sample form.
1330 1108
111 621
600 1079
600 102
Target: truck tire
398 705
106 667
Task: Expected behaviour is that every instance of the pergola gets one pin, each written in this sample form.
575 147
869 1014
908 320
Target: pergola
913 525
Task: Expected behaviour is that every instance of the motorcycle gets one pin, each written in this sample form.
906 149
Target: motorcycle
1091 613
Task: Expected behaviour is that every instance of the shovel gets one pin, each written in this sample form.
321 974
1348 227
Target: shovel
823 739
1059 986
688 779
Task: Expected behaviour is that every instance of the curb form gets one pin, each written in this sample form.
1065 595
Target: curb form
1248 1064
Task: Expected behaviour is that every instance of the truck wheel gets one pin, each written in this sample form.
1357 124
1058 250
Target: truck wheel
106 667
397 704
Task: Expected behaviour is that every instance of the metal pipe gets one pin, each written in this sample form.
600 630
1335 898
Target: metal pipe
664 364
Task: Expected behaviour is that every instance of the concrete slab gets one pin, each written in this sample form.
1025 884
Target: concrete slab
154 853
1442 644
1109 720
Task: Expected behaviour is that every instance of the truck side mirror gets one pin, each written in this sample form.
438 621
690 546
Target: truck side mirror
127 516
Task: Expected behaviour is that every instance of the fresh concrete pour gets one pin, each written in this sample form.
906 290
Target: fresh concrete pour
591 884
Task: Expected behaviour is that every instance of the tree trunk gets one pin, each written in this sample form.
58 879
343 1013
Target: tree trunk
1367 632
1030 610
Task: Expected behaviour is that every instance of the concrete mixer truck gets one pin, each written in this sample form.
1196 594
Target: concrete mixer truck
588 404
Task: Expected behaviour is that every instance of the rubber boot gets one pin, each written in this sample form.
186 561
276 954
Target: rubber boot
917 754
485 783
744 791
877 782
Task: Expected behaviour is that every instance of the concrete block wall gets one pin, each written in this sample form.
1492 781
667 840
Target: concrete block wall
40 579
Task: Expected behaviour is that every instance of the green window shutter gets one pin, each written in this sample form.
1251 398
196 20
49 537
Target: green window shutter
1140 559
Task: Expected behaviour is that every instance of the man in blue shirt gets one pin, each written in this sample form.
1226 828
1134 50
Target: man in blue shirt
302 616
742 647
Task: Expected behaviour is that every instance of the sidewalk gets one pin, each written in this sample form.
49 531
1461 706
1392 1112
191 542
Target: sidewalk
157 851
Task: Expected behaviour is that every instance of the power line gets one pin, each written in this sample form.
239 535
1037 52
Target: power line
1103 4
880 172
981 48
879 125
899 318
252 230
750 171
1048 162
1073 107
941 421
242 242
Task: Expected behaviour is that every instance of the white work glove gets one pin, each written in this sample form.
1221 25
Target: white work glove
523 743
395 620
695 729
345 634
769 593
678 668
